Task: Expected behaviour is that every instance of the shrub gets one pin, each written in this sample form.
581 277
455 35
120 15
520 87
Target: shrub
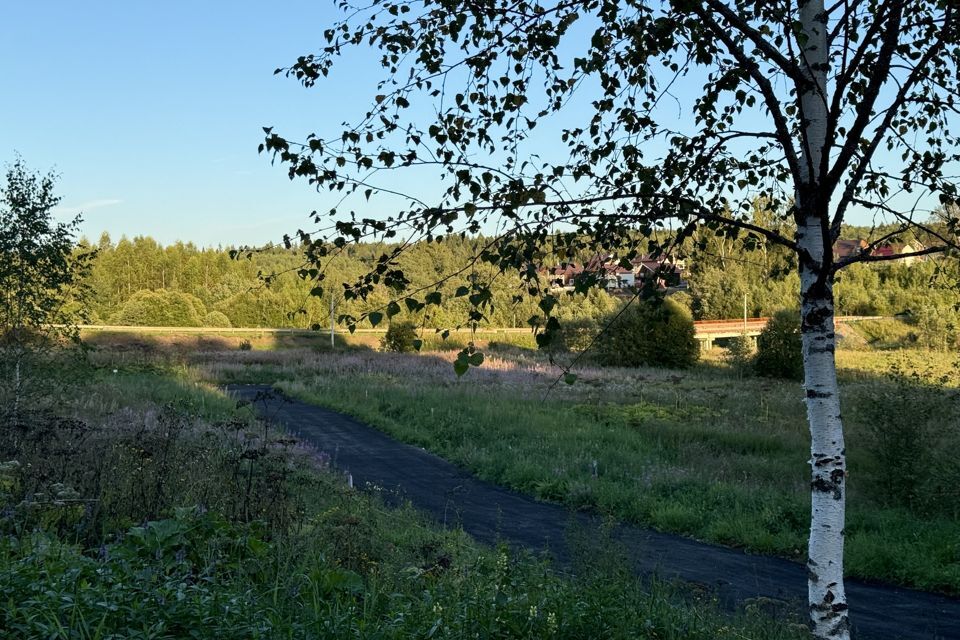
740 354
911 442
651 332
577 335
216 319
779 349
245 345
400 337
261 307
938 328
162 308
886 333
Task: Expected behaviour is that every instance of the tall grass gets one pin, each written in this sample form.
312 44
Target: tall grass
151 506
702 453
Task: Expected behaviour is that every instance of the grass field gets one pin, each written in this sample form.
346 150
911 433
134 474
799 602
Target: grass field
160 340
701 452
145 504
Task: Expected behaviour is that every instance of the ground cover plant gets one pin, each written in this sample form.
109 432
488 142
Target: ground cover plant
702 452
150 506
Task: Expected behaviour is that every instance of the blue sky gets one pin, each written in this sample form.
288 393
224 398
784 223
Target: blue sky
152 112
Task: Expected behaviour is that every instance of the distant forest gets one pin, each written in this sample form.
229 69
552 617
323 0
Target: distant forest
140 282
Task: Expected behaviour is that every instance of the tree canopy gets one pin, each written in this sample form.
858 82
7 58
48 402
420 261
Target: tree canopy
41 281
684 112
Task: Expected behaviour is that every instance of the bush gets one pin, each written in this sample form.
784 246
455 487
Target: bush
400 337
911 443
162 308
651 332
245 345
216 319
938 328
779 349
740 354
576 335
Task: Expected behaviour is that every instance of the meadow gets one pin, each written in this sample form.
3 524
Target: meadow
144 503
706 452
141 502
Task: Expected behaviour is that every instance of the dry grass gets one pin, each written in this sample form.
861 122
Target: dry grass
701 452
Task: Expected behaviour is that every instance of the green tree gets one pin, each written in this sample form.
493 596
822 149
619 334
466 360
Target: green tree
779 347
40 291
401 337
650 332
792 103
739 353
162 309
216 319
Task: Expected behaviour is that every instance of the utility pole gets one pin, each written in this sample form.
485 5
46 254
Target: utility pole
333 306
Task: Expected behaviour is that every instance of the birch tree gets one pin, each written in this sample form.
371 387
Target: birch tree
667 117
39 273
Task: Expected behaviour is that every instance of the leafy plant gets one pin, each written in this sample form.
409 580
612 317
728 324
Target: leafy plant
577 335
650 332
779 347
740 354
164 309
401 337
913 449
937 328
216 319
40 275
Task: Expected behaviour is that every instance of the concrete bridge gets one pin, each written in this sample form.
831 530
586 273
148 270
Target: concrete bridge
709 330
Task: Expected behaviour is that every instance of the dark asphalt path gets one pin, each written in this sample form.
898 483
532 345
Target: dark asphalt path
490 513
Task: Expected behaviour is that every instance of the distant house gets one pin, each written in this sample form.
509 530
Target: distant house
669 273
900 248
562 276
848 248
615 276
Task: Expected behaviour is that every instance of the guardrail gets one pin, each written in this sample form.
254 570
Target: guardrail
286 330
702 326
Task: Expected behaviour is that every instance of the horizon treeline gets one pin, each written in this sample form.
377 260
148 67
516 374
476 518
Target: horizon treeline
140 282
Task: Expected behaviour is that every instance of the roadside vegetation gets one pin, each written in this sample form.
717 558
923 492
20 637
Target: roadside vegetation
148 505
707 452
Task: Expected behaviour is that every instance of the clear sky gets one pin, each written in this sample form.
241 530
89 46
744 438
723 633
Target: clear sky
152 111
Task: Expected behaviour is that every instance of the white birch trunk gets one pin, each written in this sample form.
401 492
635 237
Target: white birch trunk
827 599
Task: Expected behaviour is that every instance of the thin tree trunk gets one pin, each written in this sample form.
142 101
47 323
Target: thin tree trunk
827 599
826 596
